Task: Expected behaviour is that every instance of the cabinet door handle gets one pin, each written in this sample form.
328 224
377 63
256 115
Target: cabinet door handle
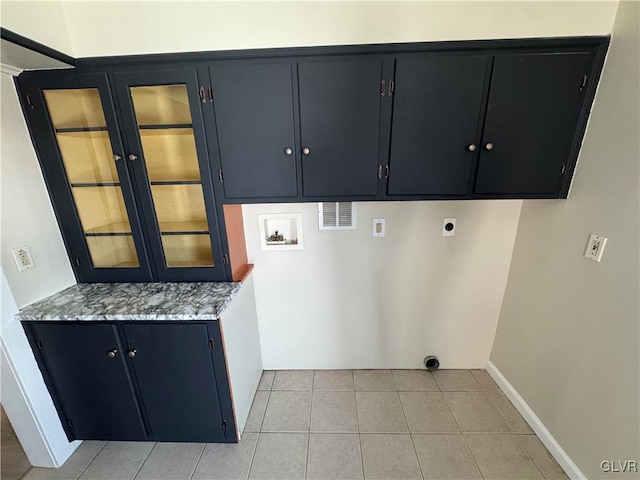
132 353
288 151
112 353
386 171
306 151
472 147
132 157
488 146
380 171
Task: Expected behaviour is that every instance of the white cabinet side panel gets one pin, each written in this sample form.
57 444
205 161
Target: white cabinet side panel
239 325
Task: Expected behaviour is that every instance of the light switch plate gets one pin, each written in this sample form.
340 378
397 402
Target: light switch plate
595 247
378 227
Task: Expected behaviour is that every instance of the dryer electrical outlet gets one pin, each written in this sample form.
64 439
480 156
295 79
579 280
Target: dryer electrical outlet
449 227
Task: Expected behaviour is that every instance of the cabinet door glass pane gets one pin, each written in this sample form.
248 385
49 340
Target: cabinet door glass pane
164 124
85 148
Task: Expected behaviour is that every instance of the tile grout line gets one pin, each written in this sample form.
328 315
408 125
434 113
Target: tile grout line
355 397
464 439
264 415
195 467
495 405
155 444
531 457
306 463
415 452
514 432
253 456
92 460
255 449
493 402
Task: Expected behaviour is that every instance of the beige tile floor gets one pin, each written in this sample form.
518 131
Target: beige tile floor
343 424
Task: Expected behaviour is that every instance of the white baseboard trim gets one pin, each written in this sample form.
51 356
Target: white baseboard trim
570 468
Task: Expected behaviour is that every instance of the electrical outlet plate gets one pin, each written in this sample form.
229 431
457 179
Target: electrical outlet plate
378 227
23 259
450 232
595 247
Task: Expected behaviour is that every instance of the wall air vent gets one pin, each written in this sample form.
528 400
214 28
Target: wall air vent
337 216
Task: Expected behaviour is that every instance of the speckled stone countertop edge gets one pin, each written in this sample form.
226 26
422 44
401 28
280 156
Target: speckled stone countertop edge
112 302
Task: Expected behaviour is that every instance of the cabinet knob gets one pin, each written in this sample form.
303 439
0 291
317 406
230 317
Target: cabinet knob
472 147
488 146
132 353
288 151
116 157
112 353
132 157
306 151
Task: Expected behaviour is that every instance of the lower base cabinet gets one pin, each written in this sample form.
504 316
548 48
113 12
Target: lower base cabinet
158 381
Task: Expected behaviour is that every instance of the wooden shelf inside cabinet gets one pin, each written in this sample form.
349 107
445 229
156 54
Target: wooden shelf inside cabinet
94 184
80 129
126 265
175 182
115 228
168 126
184 228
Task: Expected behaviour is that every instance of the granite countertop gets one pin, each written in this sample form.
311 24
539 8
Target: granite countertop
134 301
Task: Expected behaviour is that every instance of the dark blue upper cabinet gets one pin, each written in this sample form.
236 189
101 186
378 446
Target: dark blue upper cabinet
139 154
437 107
73 123
253 104
167 151
339 124
531 122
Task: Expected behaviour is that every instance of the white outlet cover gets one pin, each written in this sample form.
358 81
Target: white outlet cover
595 247
449 233
22 257
378 227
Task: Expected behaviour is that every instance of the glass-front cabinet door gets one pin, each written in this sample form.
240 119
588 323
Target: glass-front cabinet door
90 181
167 152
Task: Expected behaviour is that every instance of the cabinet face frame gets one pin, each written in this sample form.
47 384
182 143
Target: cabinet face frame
481 65
50 158
30 329
266 91
140 337
338 97
123 81
551 79
217 355
597 45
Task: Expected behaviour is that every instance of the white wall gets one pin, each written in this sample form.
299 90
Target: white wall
27 214
25 397
156 27
389 302
27 219
568 336
349 300
42 21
